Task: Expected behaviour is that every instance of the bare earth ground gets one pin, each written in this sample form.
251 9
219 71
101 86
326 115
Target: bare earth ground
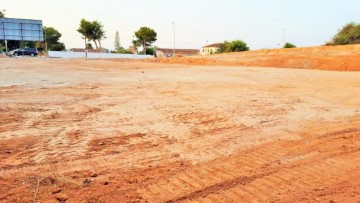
117 131
335 58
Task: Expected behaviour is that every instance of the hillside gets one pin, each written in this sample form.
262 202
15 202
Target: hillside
340 58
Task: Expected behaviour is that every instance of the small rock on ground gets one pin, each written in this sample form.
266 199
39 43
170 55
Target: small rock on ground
62 197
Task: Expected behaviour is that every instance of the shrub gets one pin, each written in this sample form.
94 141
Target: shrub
289 45
57 47
233 46
349 34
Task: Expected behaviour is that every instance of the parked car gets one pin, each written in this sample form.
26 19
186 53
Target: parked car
26 51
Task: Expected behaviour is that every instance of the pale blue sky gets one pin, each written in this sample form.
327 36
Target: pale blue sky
257 22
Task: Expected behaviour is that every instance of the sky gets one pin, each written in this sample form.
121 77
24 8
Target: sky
260 23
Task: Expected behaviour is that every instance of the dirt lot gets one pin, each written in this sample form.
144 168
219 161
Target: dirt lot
117 131
336 58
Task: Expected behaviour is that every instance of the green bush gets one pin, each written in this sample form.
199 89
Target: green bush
233 46
122 50
289 45
57 47
349 34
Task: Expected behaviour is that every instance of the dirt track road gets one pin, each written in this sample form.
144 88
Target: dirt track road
115 131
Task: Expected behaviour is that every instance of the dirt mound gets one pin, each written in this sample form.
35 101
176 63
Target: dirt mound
339 58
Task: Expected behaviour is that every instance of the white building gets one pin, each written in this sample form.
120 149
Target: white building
210 49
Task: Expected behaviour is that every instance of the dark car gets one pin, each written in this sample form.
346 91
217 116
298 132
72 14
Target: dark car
26 51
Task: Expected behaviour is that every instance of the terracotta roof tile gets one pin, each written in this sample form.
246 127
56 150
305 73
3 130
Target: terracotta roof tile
213 45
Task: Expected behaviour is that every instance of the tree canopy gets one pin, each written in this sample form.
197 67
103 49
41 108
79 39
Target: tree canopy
2 13
233 46
52 35
145 37
92 31
289 45
118 48
85 28
52 40
89 46
349 34
117 41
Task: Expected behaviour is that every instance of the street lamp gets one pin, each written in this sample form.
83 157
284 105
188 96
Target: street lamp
173 23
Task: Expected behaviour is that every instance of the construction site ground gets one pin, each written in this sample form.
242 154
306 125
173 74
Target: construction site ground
77 130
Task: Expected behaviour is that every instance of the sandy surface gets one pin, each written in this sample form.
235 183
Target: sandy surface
335 58
117 131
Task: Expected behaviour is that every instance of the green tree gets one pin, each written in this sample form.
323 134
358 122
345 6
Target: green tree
349 34
89 46
122 50
92 31
85 30
289 45
2 14
117 41
145 37
52 35
223 46
118 48
52 40
234 46
98 34
58 47
151 50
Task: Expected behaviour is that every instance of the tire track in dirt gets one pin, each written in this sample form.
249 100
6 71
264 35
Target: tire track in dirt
112 161
285 182
194 180
250 174
273 186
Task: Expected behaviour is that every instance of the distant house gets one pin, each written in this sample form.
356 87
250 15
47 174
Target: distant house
132 49
162 52
210 49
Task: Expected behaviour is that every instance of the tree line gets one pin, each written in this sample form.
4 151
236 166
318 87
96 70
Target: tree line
93 31
348 34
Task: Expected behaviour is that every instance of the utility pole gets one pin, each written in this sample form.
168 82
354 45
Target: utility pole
173 23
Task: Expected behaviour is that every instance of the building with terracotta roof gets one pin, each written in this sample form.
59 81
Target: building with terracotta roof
210 49
132 49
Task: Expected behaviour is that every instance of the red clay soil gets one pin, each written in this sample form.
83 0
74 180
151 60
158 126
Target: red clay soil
94 131
340 58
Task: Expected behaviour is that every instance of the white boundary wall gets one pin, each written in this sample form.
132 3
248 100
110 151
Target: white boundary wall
63 54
